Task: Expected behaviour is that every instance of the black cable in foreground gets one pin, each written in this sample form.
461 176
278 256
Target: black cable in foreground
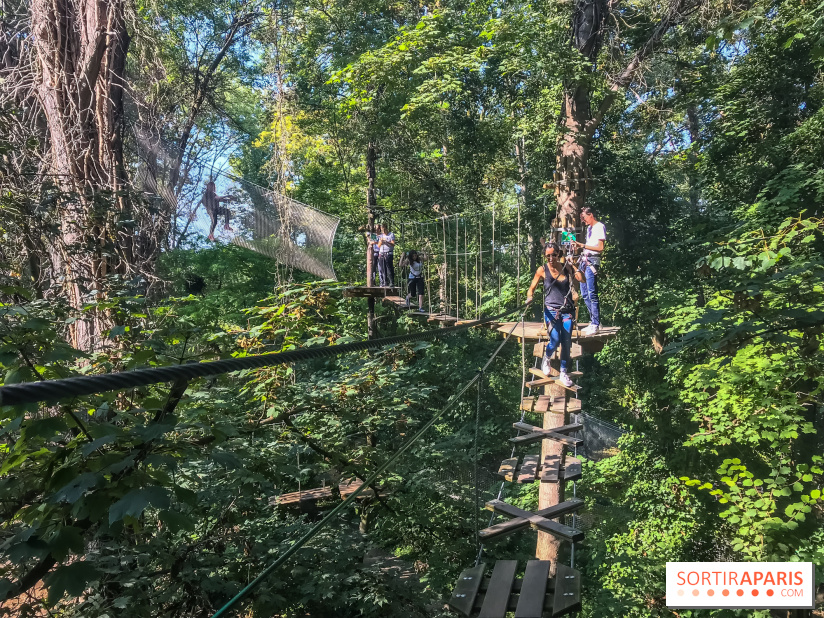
54 390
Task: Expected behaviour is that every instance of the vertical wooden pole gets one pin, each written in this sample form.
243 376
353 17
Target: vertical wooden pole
550 494
371 203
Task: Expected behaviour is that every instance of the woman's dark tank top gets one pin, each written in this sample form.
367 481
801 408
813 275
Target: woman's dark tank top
556 293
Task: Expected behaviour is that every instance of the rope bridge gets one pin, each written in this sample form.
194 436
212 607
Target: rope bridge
242 212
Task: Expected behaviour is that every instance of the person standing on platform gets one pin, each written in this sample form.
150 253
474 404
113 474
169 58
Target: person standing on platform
559 299
372 240
416 282
589 263
386 257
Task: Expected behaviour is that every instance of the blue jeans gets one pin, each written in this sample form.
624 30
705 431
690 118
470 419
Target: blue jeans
560 332
589 290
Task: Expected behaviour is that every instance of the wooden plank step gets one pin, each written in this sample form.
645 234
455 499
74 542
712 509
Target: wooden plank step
574 388
529 469
309 495
533 590
508 468
567 595
348 487
572 469
549 471
576 351
502 593
496 599
465 592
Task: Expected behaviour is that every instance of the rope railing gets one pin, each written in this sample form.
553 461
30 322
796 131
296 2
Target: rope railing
223 611
55 390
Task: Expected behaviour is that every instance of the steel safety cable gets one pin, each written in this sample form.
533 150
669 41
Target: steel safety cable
523 416
54 390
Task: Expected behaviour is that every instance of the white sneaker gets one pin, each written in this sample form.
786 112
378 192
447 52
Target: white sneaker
565 379
592 329
545 366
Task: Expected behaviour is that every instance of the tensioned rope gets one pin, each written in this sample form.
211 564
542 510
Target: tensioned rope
54 390
372 478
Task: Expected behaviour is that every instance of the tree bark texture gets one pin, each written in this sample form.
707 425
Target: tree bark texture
573 179
80 54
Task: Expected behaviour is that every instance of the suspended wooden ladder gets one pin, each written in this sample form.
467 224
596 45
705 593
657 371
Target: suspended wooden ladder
537 593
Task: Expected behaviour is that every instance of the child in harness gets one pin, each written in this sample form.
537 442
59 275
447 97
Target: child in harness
559 299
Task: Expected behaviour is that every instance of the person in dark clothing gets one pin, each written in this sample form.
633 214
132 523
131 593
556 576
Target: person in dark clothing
414 260
211 200
559 306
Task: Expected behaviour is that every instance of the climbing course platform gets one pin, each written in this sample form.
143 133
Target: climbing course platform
534 595
532 331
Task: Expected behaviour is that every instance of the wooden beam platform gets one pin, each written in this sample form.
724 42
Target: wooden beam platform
310 495
535 331
549 471
498 595
324 493
363 291
440 317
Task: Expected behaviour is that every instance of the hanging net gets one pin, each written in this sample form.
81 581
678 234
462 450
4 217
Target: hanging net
231 210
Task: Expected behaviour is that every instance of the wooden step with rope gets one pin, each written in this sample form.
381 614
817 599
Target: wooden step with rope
535 595
547 403
548 471
575 351
318 494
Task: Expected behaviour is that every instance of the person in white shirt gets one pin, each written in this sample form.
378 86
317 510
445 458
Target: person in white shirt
588 264
386 257
372 240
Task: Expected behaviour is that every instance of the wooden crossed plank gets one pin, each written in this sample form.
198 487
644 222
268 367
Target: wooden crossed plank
539 520
556 433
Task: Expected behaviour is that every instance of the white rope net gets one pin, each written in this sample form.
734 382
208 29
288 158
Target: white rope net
235 211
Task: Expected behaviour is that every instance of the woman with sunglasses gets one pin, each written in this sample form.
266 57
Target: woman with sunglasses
559 305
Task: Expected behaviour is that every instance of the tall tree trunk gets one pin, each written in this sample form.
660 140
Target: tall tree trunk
371 204
80 51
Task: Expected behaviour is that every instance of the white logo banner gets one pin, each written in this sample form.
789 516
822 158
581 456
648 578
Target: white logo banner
741 585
